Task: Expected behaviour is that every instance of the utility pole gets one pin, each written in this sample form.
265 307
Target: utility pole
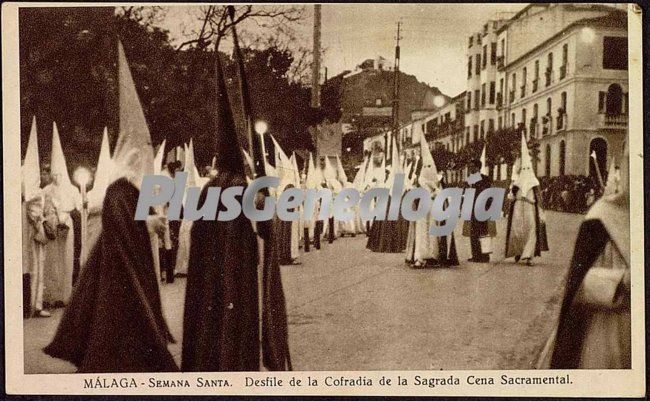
396 92
315 69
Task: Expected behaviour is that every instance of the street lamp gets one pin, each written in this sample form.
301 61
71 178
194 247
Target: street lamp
261 127
439 101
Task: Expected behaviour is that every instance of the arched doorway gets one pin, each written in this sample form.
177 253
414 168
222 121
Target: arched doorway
598 146
614 105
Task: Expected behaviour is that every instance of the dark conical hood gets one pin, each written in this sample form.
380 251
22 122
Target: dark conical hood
226 142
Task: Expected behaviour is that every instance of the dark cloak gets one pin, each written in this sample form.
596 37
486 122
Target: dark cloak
591 241
473 227
114 320
221 319
284 238
541 244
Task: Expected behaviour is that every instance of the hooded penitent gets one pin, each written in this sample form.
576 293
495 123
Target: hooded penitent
114 322
222 320
600 267
526 230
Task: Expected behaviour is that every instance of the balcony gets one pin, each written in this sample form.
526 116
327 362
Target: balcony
563 71
613 121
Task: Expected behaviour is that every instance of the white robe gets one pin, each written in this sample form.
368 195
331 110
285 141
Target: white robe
59 253
523 234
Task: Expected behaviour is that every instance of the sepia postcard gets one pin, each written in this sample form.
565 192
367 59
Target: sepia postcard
323 199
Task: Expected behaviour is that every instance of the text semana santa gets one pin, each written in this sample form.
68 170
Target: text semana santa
446 207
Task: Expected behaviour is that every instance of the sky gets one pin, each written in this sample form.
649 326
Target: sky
433 44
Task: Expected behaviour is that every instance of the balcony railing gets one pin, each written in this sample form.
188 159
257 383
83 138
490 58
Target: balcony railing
613 121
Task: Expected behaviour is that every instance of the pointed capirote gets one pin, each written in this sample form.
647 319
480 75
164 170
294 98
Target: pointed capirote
158 160
428 177
103 173
58 164
31 168
134 136
226 141
340 172
526 178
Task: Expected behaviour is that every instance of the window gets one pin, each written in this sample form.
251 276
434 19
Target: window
492 92
549 69
484 56
614 100
523 116
524 74
548 160
514 85
469 101
477 70
493 53
500 122
503 48
471 41
475 133
536 76
469 67
477 99
565 56
483 95
512 119
490 125
601 102
549 106
535 111
563 101
482 129
562 157
467 135
615 53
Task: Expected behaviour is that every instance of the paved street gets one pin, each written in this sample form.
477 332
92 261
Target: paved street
351 309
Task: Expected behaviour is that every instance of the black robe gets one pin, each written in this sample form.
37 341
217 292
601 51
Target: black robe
114 321
221 319
591 241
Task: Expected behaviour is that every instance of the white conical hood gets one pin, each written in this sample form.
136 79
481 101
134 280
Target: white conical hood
133 151
296 172
103 174
313 180
31 169
339 170
67 194
526 179
428 177
329 172
190 166
359 178
484 167
395 167
247 158
180 154
283 165
158 160
58 164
